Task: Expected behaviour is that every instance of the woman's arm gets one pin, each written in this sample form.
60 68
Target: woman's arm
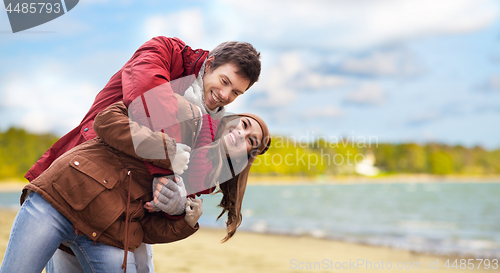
115 128
158 229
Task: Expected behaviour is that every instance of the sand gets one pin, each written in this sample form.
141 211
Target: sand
251 252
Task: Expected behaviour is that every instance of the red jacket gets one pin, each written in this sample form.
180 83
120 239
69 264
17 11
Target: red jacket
156 63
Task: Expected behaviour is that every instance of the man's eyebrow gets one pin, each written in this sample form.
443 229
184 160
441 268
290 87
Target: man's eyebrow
227 78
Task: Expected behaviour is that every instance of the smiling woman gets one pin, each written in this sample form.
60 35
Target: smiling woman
85 192
242 135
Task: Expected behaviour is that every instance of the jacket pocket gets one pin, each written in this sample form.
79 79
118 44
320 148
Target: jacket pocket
83 180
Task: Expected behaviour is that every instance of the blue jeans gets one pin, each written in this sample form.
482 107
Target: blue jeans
62 262
37 232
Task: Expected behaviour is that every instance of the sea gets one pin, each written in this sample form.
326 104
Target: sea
453 219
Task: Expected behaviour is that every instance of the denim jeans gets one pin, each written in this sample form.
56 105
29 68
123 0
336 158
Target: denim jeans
62 262
37 232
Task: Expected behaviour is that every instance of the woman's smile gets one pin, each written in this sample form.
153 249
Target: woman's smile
232 138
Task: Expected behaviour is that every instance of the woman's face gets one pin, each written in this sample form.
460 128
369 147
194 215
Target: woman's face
241 135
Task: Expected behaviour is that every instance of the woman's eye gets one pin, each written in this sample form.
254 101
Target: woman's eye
244 125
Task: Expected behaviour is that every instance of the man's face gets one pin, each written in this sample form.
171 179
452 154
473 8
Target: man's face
222 85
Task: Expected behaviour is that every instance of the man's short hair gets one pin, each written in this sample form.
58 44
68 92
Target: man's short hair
241 54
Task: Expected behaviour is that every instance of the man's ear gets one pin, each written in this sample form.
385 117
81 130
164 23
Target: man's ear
208 63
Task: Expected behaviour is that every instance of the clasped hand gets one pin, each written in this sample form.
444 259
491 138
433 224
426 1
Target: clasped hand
170 197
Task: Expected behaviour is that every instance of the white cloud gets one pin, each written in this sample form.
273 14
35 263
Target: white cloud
106 2
324 112
367 94
382 63
48 98
291 74
313 80
357 23
186 24
274 82
494 82
424 117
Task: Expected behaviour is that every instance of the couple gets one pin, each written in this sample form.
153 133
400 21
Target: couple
92 197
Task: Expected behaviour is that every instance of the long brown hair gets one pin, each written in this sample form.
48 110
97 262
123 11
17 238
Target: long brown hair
230 176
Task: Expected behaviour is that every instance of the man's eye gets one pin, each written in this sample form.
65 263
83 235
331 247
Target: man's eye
235 93
224 82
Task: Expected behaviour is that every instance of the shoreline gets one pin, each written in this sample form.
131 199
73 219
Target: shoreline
13 185
250 252
390 179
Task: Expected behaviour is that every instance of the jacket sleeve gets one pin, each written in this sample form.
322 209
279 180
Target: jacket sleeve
158 229
115 128
147 90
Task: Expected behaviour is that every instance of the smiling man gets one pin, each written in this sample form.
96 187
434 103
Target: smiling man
210 80
226 72
229 74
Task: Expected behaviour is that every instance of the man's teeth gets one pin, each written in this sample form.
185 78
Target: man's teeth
215 98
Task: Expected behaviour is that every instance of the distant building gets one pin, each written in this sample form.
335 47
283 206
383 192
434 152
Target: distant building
366 167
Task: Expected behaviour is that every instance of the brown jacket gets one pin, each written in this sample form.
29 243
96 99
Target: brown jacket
90 183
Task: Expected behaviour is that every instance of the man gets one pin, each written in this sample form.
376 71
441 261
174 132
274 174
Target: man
169 66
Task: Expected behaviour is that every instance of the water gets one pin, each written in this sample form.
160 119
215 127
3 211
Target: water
10 200
440 218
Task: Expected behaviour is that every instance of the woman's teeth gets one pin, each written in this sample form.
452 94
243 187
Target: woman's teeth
233 138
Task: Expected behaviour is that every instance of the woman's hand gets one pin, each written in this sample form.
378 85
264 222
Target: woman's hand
194 209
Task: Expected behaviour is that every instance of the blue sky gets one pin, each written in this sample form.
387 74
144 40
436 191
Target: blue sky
400 71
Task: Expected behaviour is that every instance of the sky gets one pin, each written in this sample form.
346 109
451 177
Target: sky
390 70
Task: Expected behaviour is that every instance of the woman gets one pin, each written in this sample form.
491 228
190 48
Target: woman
92 198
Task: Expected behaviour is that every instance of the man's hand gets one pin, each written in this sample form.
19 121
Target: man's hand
181 159
169 197
194 210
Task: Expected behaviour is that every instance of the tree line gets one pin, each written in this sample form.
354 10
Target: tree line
19 150
288 157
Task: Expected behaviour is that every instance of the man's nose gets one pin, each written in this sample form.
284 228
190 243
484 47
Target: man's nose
224 94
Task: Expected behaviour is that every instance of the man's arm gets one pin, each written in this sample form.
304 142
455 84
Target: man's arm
146 79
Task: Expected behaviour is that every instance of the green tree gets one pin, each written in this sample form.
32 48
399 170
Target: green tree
441 163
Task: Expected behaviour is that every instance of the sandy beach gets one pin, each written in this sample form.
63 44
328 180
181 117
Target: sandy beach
251 252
